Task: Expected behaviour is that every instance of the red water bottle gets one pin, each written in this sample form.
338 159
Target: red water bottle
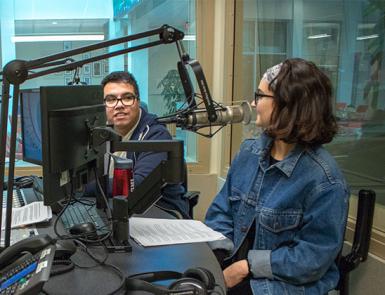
123 180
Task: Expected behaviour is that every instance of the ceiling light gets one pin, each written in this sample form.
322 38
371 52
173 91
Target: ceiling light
51 38
319 36
189 38
367 37
366 26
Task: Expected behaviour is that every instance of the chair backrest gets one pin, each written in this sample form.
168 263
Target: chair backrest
341 106
361 108
361 241
191 196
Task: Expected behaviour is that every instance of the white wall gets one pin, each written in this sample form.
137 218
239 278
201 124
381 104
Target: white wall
209 184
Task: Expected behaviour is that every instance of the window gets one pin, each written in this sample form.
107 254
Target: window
104 20
346 40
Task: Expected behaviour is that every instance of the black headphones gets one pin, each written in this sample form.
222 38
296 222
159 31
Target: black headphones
195 281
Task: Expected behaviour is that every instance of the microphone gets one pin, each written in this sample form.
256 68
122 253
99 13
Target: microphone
198 118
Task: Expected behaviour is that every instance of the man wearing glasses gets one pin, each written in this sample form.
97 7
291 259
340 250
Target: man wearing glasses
133 122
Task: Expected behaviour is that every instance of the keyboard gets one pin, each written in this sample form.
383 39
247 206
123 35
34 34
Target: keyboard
77 213
18 199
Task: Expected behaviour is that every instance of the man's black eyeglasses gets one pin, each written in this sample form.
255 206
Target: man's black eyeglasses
258 95
127 99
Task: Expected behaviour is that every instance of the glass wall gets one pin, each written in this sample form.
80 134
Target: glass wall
25 27
156 68
346 40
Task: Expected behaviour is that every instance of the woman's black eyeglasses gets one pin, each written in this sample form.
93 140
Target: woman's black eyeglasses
127 99
258 95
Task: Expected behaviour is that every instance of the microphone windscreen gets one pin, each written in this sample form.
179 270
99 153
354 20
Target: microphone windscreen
247 112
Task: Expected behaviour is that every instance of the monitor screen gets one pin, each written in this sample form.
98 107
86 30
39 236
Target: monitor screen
67 115
31 126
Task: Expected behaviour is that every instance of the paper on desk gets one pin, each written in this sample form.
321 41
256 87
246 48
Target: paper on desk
29 214
18 234
157 232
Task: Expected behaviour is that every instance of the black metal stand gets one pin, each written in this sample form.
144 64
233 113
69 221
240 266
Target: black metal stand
119 242
149 191
17 72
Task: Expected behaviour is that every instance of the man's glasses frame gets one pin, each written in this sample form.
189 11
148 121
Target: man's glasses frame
127 99
258 95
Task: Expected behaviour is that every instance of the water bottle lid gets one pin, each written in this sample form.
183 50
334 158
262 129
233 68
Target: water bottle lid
122 163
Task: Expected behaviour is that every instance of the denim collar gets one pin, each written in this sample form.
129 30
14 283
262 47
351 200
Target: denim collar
288 164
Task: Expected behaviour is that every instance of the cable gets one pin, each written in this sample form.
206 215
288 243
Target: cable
180 111
68 266
24 181
103 263
60 214
83 237
84 202
109 211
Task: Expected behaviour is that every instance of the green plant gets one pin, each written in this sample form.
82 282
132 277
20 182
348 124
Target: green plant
172 90
375 10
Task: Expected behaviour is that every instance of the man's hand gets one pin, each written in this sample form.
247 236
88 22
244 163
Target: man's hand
235 273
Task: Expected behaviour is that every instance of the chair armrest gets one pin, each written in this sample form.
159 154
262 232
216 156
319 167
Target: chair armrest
192 197
362 231
360 246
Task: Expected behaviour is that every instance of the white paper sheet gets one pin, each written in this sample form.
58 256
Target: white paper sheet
18 234
157 232
29 214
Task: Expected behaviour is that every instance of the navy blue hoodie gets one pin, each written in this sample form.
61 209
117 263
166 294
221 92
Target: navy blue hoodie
144 162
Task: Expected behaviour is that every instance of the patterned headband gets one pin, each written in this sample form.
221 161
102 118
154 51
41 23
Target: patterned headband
271 74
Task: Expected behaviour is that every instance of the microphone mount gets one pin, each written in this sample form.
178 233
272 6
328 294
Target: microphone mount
182 118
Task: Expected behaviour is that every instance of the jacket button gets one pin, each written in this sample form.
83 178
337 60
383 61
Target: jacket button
244 229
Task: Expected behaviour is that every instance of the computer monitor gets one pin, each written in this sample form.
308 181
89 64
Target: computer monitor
31 126
68 113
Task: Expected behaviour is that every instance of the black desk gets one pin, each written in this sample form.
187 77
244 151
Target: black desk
102 280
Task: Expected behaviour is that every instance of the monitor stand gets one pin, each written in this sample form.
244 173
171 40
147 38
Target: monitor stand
119 241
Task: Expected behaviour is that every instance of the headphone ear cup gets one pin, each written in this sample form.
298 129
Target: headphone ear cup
201 274
186 284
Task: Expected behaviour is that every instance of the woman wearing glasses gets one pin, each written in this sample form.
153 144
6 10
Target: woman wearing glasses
283 207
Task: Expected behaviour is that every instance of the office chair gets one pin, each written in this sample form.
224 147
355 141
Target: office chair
361 241
191 196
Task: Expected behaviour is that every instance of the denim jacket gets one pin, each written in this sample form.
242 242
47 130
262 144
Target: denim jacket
300 207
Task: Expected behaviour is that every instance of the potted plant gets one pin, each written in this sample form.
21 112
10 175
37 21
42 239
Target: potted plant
172 91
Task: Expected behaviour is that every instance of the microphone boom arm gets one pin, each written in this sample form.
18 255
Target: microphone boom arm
17 72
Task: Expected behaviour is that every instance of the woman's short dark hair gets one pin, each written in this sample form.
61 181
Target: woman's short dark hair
303 111
121 77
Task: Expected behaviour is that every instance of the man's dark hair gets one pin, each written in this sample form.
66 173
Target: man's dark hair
303 111
121 77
